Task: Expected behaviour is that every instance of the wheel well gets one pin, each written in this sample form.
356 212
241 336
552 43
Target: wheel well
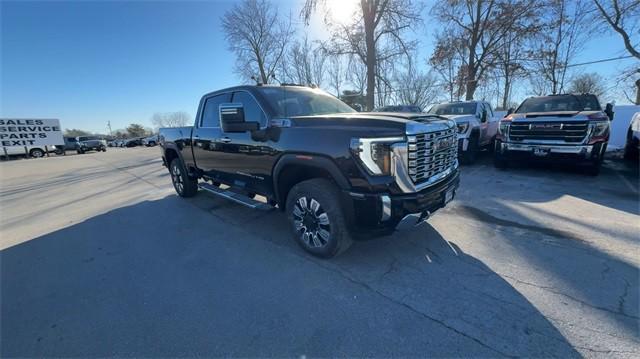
291 175
170 155
34 150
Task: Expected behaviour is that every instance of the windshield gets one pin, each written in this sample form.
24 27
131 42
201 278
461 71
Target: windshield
454 109
87 138
290 102
559 103
399 108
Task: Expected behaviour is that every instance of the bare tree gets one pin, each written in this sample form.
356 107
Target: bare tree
417 88
561 40
447 60
480 26
375 35
588 83
336 73
305 63
623 16
170 119
258 35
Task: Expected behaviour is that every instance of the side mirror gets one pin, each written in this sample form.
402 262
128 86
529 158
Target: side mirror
609 111
510 111
232 119
483 116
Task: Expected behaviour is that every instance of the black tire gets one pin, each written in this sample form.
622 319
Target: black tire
36 153
320 228
471 154
499 161
103 149
184 185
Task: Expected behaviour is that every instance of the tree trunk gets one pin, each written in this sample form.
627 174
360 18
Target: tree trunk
507 86
638 92
371 57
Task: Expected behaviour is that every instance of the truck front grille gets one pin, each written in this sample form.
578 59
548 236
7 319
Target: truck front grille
432 153
570 132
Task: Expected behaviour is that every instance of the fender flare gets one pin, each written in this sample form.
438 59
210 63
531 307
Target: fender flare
171 146
309 160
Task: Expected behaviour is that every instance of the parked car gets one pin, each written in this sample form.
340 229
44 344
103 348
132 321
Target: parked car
150 141
69 145
132 142
399 108
565 127
477 126
31 151
336 173
632 144
90 143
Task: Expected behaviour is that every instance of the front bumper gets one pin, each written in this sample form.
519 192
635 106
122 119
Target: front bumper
373 213
553 151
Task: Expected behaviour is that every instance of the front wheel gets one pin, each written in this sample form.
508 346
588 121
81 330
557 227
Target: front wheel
471 154
184 185
36 153
317 219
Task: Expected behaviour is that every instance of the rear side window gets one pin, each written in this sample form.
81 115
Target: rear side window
252 111
210 114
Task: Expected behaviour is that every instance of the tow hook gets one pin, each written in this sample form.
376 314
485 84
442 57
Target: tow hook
423 217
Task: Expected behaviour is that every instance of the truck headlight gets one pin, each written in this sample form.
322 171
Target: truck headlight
503 128
462 127
374 153
599 128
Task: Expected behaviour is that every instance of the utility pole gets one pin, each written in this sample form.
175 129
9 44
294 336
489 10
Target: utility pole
109 125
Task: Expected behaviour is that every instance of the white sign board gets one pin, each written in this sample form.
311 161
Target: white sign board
30 132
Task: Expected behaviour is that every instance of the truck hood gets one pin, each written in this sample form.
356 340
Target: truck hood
387 123
460 118
552 116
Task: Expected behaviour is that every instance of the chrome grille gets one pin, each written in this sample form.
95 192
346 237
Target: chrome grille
571 132
430 154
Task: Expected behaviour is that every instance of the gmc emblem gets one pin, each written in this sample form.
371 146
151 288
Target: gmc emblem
444 143
545 126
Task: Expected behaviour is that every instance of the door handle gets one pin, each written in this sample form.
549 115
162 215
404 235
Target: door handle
225 139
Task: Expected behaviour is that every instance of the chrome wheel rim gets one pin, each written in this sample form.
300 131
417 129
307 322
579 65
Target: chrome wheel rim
311 222
37 154
176 177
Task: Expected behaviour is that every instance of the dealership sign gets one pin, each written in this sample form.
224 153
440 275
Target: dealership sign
30 132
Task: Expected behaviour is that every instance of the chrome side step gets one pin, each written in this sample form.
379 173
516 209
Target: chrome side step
235 197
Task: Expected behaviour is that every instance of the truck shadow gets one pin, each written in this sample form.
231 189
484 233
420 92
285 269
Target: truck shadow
167 278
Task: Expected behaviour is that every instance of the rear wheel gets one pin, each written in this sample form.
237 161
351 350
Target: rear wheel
184 185
317 219
36 153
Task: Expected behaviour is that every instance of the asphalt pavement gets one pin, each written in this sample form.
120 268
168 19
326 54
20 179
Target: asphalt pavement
99 257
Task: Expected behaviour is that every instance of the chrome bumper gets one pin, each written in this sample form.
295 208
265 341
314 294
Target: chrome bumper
576 149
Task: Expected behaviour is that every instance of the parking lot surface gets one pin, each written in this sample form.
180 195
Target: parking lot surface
101 258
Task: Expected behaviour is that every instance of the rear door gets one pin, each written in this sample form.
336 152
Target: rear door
206 136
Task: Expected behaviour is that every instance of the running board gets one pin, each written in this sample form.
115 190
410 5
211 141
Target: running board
235 197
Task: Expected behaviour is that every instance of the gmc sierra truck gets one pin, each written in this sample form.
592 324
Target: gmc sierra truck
477 126
570 128
336 173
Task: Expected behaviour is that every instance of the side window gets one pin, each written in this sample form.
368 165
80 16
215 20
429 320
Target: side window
210 114
252 111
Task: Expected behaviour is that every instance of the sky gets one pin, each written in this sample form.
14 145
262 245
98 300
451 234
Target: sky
88 63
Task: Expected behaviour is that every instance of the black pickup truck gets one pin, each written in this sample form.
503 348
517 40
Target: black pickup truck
338 174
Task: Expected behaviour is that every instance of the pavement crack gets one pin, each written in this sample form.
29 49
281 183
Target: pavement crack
621 300
555 291
414 310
